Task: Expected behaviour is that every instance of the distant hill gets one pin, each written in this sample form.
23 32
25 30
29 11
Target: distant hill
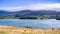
30 12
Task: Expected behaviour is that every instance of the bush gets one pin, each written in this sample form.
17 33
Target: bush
28 27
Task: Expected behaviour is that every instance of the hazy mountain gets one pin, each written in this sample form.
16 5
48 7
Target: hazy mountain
31 13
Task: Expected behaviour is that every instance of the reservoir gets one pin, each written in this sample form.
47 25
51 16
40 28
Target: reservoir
34 23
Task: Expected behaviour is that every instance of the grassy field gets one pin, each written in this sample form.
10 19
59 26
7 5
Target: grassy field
17 30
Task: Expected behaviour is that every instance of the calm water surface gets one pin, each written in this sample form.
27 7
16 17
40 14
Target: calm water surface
35 23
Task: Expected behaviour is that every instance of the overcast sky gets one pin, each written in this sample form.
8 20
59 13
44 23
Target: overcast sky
29 4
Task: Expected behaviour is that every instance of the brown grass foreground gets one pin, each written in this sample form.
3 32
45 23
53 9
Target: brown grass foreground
16 30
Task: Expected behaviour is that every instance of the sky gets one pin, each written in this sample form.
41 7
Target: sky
13 5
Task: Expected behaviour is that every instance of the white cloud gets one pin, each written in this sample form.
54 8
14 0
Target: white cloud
38 6
44 7
12 8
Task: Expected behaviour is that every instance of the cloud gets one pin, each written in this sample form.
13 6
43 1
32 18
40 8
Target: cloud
55 6
38 6
12 8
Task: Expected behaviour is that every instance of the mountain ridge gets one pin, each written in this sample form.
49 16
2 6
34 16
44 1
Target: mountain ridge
31 12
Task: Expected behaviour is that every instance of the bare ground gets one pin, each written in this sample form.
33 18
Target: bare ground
17 30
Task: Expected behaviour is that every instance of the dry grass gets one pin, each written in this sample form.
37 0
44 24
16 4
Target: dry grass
16 30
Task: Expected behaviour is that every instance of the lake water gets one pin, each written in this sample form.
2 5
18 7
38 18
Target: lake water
35 23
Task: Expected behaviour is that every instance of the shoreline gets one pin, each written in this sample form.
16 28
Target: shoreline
26 27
